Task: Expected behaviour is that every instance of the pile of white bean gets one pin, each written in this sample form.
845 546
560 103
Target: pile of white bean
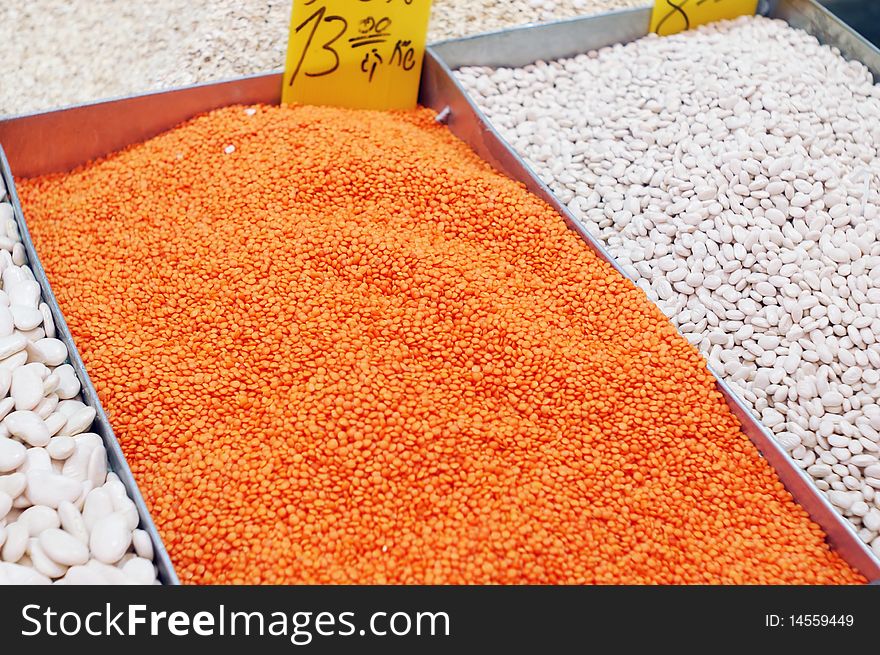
63 517
733 171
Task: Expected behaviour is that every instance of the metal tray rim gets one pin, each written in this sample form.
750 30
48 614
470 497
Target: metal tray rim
550 24
7 118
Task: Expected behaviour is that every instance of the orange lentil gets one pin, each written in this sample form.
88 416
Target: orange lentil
349 351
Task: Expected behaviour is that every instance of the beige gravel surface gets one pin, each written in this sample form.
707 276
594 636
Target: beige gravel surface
60 52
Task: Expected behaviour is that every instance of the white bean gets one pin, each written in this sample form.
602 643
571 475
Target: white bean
68 385
143 545
72 521
42 562
27 426
79 421
110 537
98 505
16 543
5 504
51 352
13 484
51 489
26 318
63 547
38 518
12 454
17 574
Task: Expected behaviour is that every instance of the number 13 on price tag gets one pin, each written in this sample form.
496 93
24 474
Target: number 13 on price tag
671 16
364 54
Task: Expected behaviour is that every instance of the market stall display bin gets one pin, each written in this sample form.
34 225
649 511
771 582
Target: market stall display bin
60 140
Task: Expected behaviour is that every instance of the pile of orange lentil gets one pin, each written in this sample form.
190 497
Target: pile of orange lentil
337 347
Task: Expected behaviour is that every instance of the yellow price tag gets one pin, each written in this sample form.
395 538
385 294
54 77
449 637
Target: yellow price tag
364 54
672 16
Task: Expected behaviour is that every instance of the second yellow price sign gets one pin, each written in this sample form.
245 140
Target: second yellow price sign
363 54
671 16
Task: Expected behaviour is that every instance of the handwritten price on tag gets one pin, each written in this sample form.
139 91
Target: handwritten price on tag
672 16
356 53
